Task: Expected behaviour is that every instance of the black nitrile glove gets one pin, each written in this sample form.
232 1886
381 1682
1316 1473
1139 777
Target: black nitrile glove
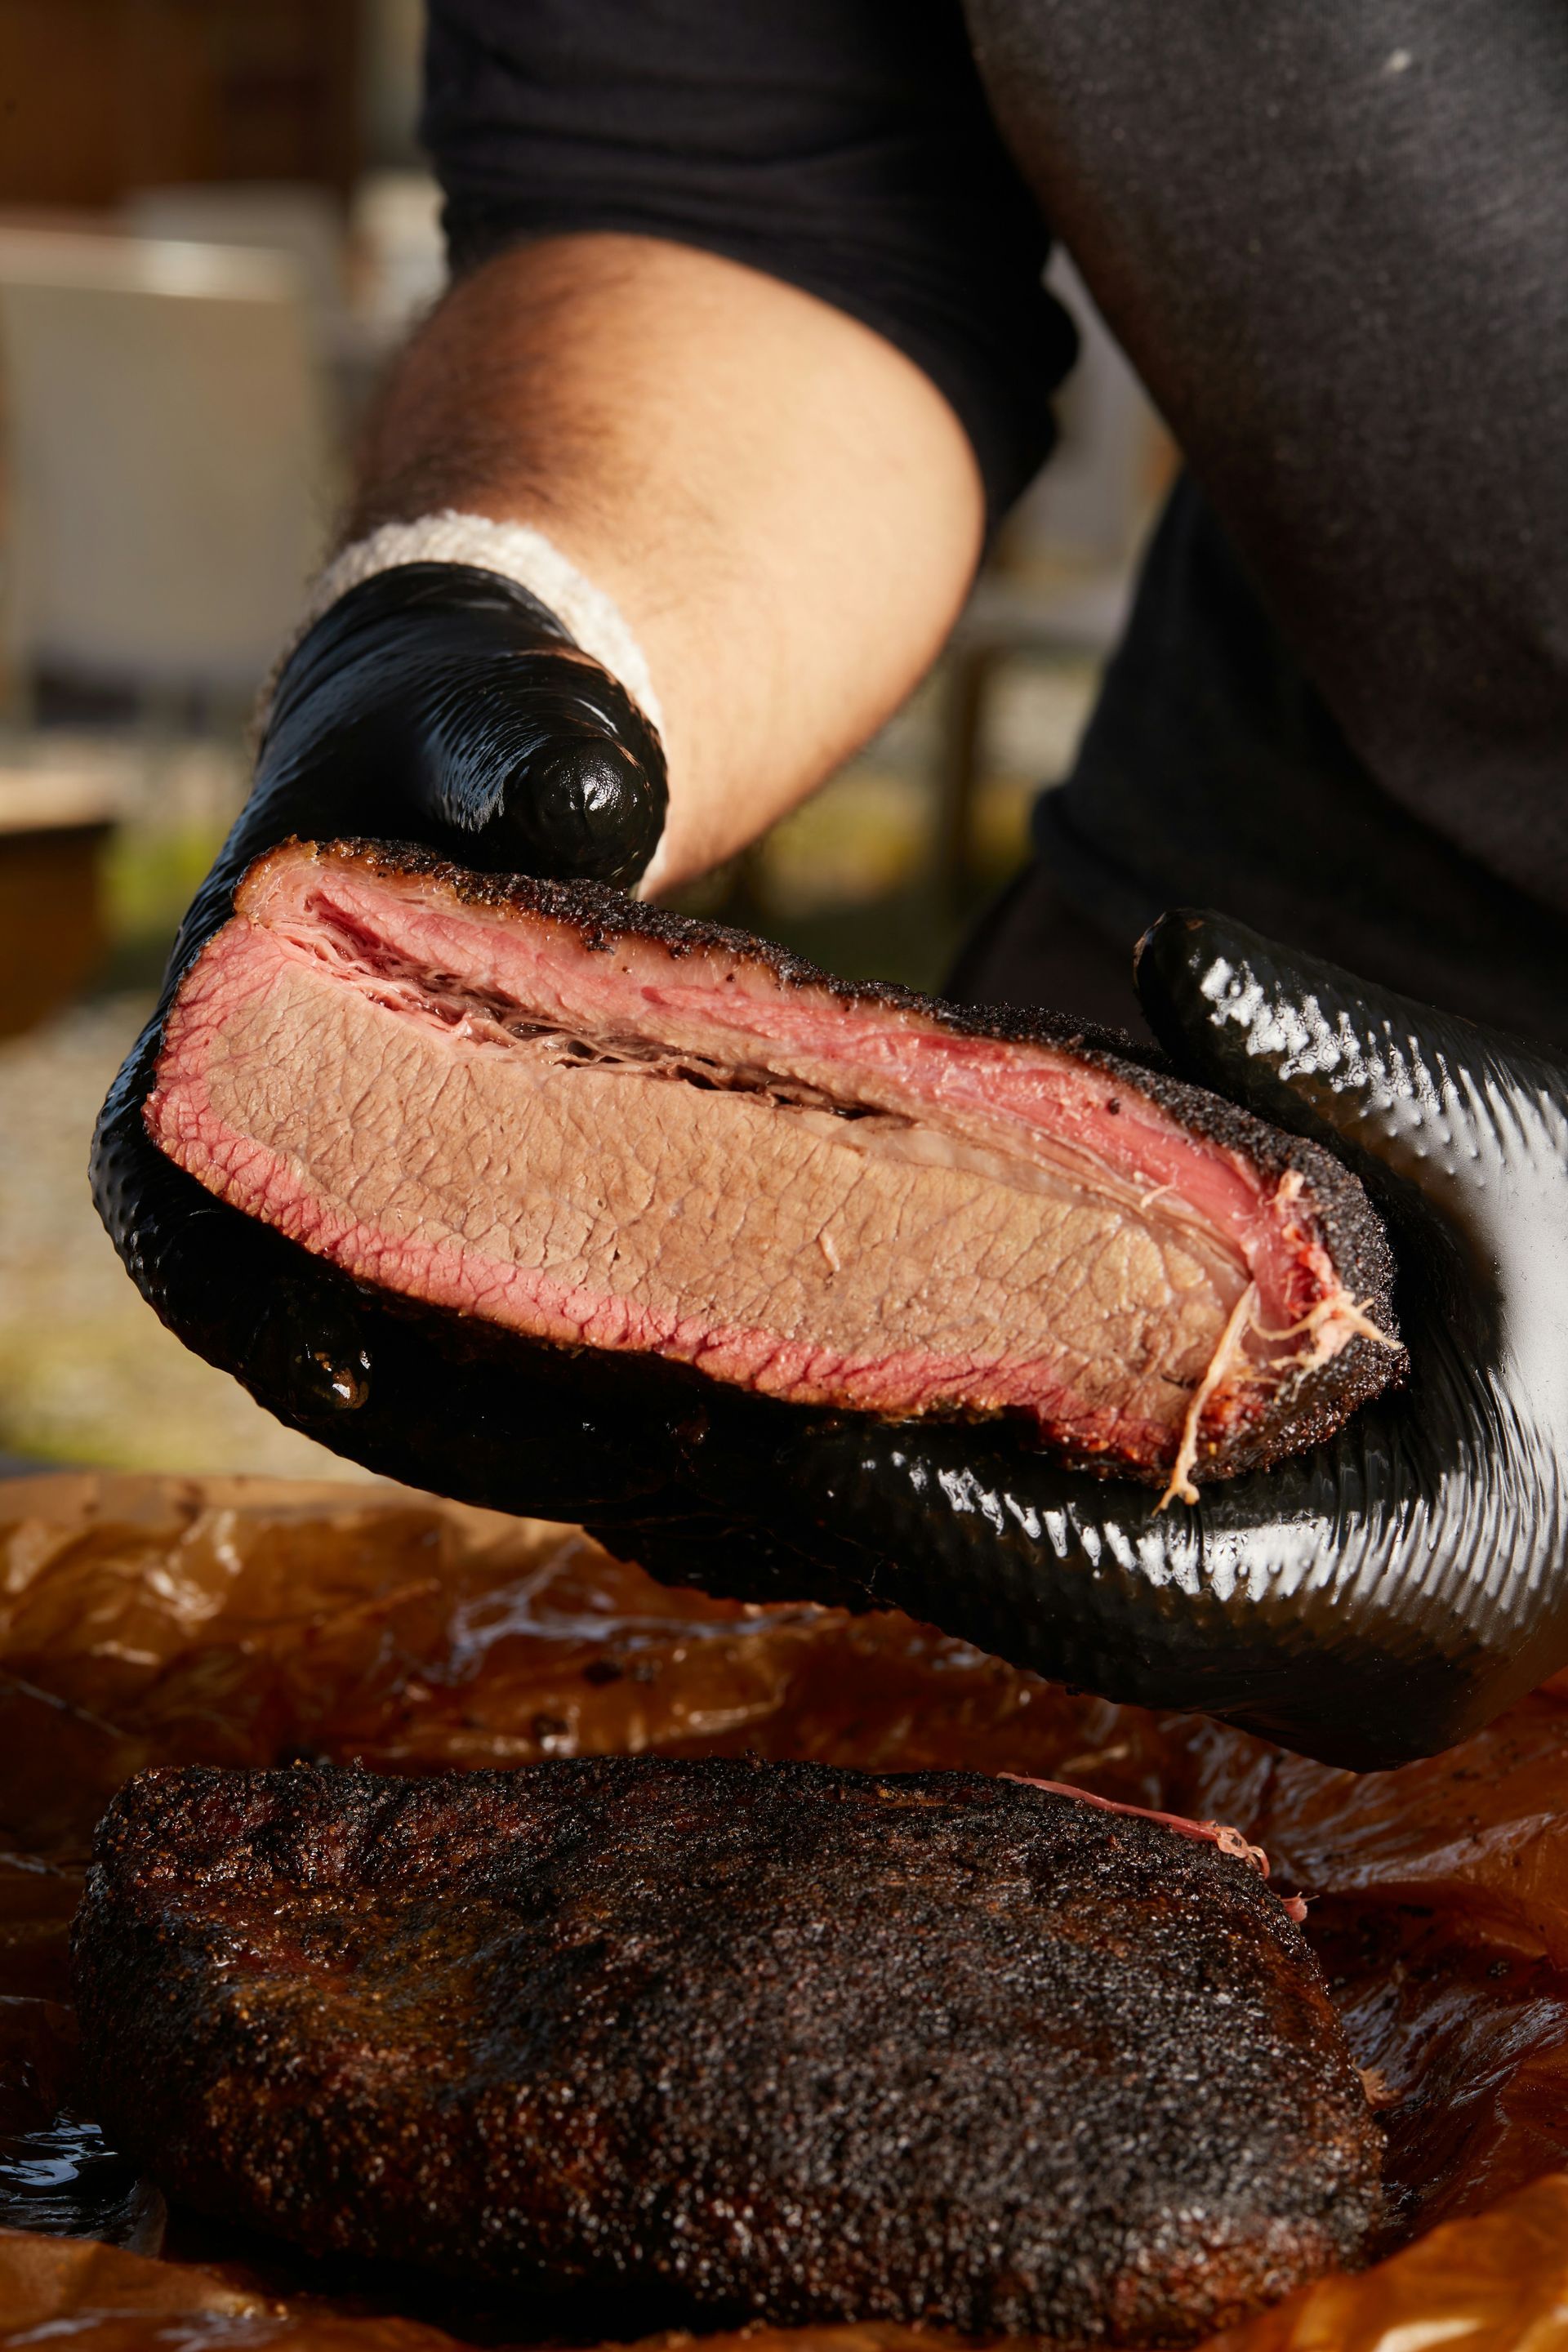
1369 1603
440 704
436 703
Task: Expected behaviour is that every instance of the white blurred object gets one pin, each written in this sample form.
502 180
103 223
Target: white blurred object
1091 504
1059 586
38 799
166 459
396 224
291 217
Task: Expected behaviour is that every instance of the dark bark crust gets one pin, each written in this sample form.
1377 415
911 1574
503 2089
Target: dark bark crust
775 2039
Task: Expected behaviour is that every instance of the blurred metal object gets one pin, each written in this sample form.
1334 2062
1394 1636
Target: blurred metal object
166 459
284 216
306 227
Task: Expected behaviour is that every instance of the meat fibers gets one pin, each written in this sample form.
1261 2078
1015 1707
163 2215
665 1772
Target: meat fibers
602 1126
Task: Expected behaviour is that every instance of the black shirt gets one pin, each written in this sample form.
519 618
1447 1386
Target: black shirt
1334 240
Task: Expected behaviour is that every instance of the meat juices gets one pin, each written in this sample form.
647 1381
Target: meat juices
775 2039
602 1125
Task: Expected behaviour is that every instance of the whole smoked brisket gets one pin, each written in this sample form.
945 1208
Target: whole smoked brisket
768 2039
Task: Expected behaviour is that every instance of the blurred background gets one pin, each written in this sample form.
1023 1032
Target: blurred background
216 228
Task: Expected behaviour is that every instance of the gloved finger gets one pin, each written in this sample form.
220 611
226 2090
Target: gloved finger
1462 1132
1449 1108
443 704
535 774
1306 1603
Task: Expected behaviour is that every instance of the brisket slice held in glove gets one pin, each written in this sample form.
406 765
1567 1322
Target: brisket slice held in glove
601 1126
775 2039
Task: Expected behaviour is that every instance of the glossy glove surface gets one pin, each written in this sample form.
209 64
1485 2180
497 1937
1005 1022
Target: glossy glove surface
1376 1599
438 703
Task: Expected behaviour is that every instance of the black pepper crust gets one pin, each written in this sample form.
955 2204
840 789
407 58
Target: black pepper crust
777 2040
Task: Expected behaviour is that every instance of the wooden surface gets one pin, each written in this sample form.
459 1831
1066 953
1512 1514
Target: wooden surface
52 936
99 96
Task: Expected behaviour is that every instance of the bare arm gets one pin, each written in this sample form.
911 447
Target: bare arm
785 509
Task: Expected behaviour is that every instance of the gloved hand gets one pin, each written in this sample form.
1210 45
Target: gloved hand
440 704
435 703
1367 1603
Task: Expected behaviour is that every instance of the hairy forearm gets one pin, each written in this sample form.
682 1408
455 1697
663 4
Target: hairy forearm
785 509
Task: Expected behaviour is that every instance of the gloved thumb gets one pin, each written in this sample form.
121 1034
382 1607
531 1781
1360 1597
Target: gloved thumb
1396 1084
440 703
525 763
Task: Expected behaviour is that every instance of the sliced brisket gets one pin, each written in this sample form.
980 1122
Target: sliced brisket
786 2040
601 1126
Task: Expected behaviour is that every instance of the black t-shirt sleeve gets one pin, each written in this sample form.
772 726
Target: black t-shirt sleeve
844 146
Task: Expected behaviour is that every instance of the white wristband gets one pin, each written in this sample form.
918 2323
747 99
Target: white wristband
518 553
